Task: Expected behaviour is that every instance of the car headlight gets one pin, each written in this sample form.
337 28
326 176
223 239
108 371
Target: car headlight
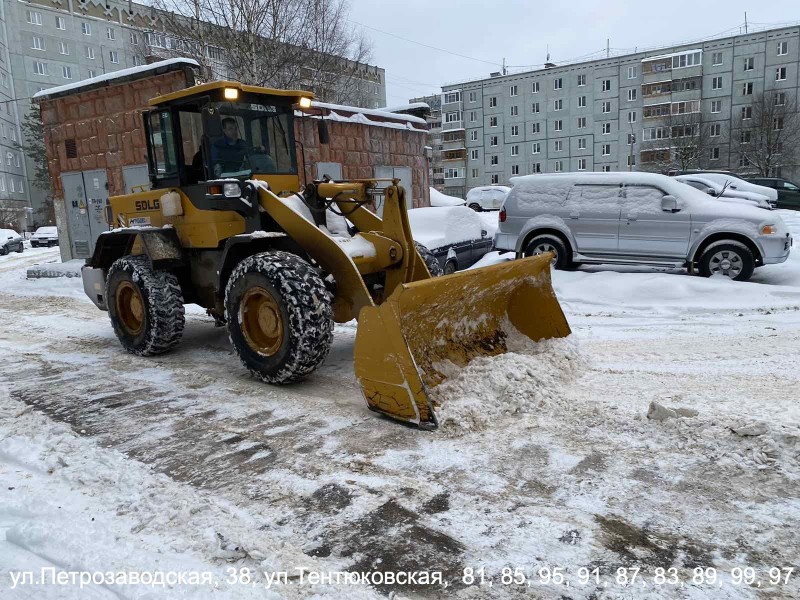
232 189
769 230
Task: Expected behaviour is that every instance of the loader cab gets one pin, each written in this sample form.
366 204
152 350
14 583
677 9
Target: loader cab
223 130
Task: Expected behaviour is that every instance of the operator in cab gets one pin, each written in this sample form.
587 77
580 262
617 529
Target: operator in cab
231 154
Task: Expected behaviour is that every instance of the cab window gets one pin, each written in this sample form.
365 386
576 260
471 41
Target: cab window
162 143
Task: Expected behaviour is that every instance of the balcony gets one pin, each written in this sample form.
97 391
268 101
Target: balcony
455 154
452 125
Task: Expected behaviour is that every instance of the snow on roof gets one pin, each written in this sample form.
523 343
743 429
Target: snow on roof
402 107
362 118
113 76
373 112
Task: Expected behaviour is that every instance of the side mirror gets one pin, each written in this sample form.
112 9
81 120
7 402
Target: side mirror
711 192
669 204
322 130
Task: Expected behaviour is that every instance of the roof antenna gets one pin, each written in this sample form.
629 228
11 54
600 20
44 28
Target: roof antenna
745 21
548 52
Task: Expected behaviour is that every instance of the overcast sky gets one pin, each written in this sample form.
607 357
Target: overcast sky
521 30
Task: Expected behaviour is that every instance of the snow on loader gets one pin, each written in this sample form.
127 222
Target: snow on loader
227 225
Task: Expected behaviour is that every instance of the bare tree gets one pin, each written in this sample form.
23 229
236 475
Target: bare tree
11 214
767 134
685 141
276 43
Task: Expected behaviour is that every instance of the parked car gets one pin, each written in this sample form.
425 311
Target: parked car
455 235
45 236
788 192
440 199
487 197
724 192
736 183
637 218
10 240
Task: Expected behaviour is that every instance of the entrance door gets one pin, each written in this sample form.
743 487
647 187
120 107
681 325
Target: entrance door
85 197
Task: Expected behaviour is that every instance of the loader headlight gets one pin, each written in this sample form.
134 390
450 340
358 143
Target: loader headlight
232 189
231 94
305 102
769 230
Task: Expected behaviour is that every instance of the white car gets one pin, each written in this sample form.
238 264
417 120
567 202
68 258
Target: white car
487 197
737 184
45 236
724 191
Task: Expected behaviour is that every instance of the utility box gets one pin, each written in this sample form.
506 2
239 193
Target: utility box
85 197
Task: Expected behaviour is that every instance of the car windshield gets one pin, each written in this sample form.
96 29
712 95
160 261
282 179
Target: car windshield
252 138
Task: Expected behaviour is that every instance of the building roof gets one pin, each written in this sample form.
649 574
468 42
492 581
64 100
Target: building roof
216 85
116 77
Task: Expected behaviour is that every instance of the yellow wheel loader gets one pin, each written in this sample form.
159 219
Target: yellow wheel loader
227 225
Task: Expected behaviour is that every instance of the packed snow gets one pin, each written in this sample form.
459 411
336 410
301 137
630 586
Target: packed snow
440 199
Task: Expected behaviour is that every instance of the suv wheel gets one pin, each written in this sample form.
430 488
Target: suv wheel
549 243
729 258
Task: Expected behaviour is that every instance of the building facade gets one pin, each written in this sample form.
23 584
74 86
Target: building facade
47 43
616 113
434 118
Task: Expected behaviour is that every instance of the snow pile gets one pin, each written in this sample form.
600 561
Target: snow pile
436 227
493 258
490 222
523 380
440 199
70 268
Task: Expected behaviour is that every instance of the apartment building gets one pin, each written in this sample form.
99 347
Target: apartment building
612 113
434 119
47 43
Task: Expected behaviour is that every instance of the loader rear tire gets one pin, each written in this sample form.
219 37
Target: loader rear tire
145 306
280 318
430 260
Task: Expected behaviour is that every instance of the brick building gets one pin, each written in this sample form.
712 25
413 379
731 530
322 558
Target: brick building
96 145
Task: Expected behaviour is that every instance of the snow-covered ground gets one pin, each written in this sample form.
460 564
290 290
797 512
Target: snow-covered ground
183 463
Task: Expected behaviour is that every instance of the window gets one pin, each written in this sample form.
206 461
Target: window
606 168
60 23
716 83
716 106
512 91
783 48
607 106
514 111
473 116
745 136
780 74
134 39
37 43
581 80
515 150
64 48
716 59
631 139
13 133
111 33
558 146
749 63
17 164
715 130
4 80
92 73
40 68
581 101
631 160
780 99
606 86
90 52
632 117
558 104
492 121
494 160
558 125
581 122
515 169
581 143
113 56
777 123
2 183
66 72
747 112
13 187
537 168
86 28
536 128
632 72
473 135
493 140
747 89
474 173
714 154
535 87
535 107
536 148
581 164
451 97
631 94
34 18
606 128
514 130
606 149
473 154
558 84
686 60
453 173
492 101
495 179
453 116
558 166
9 159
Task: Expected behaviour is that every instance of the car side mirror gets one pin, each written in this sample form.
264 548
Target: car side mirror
711 192
669 204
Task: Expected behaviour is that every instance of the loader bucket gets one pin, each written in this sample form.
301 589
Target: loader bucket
413 340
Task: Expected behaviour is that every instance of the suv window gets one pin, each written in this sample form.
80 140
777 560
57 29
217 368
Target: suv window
598 195
642 198
790 186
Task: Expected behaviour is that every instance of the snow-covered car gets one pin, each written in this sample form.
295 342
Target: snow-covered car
10 241
788 192
736 183
724 191
45 236
455 235
487 197
440 199
638 218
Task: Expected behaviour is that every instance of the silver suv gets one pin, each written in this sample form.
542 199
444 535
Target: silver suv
637 218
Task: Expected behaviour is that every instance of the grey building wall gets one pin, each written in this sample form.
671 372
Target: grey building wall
530 141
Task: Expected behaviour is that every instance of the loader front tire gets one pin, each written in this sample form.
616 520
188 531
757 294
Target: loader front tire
280 318
430 259
145 306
